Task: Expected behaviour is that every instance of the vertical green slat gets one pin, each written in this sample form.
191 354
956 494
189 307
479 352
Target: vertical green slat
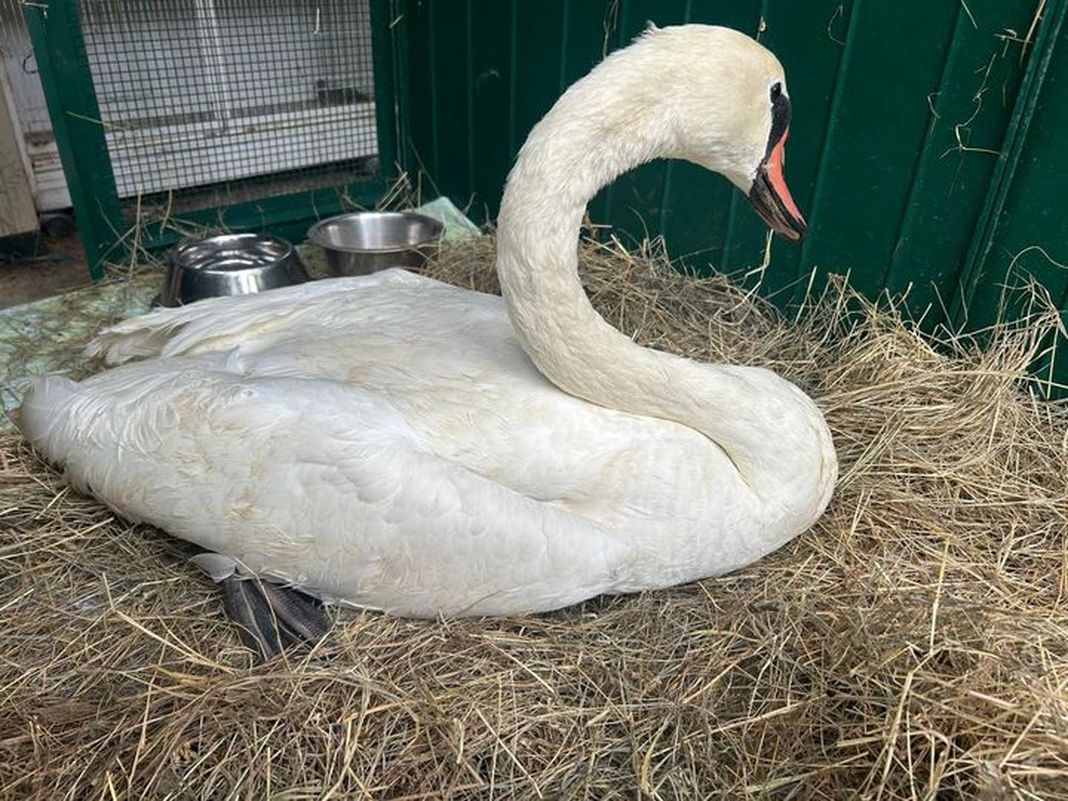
432 82
513 85
539 48
1026 232
876 127
584 40
491 62
469 84
584 46
565 41
415 89
812 47
907 209
809 40
55 30
974 103
825 157
634 204
1015 176
696 209
451 34
386 122
400 30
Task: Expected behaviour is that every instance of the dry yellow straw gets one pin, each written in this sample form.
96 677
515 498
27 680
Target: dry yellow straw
914 643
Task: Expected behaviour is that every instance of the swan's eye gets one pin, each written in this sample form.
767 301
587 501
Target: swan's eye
776 91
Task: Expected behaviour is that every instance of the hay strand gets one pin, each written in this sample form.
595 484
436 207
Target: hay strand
914 644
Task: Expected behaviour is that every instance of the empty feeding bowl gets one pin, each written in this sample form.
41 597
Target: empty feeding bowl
366 241
230 264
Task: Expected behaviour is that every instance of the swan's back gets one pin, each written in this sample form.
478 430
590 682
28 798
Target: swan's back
365 440
387 442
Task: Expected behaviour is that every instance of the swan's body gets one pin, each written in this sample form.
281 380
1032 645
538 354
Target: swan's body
388 442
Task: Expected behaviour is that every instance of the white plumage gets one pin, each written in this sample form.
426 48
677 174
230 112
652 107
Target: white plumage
386 441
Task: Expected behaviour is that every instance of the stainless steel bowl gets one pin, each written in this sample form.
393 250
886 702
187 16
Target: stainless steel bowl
230 264
366 241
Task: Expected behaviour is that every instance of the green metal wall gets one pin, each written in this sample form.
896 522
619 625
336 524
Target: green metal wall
926 150
919 161
1024 226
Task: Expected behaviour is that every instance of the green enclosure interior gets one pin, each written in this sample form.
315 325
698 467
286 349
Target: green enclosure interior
924 148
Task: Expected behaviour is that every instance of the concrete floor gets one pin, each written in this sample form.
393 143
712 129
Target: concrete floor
58 267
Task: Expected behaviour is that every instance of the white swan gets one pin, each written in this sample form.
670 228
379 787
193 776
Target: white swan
393 442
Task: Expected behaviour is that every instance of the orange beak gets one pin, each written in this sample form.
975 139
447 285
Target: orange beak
770 196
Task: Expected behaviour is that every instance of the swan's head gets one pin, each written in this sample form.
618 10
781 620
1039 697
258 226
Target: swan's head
724 97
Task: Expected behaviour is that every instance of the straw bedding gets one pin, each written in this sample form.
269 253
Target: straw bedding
914 644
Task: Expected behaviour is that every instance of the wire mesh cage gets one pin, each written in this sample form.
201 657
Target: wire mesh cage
210 102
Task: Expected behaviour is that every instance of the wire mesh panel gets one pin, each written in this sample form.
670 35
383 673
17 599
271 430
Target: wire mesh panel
224 100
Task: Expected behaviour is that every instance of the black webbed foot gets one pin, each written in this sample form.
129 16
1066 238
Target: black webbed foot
272 617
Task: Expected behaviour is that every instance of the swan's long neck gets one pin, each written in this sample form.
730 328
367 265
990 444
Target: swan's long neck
594 133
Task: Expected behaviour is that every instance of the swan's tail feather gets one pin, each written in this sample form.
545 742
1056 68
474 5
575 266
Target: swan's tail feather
44 415
221 323
171 332
136 338
210 324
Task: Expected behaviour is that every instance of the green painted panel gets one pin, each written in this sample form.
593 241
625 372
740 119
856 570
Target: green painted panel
387 126
900 113
1027 225
55 30
491 61
809 39
588 35
876 130
1028 230
536 74
697 205
451 75
970 113
417 90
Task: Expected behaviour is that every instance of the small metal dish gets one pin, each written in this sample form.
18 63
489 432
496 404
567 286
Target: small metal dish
230 264
364 242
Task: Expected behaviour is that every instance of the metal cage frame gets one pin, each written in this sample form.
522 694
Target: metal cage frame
56 33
